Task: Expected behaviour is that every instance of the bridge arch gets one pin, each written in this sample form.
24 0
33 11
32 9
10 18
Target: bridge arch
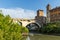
33 26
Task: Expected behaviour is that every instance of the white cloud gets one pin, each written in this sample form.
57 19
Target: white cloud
19 12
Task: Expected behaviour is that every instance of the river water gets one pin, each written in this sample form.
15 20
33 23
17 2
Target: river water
33 36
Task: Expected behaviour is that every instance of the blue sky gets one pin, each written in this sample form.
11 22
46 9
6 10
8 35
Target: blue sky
28 7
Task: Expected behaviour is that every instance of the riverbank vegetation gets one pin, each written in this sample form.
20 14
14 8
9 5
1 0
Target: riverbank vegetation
51 28
10 30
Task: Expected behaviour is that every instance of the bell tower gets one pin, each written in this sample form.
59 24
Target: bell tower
48 7
48 13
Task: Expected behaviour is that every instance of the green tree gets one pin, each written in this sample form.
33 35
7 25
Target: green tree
10 30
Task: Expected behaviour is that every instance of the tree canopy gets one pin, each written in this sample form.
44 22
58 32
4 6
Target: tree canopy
10 30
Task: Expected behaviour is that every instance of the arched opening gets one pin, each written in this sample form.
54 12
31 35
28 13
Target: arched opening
33 26
20 23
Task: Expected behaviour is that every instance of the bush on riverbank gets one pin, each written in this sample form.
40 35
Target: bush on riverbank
51 28
10 30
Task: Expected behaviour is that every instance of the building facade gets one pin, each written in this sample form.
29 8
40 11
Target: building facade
53 15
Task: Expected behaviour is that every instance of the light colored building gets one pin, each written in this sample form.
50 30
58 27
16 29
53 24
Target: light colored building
53 15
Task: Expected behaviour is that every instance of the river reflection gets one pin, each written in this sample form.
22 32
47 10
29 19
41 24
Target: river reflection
33 37
28 38
42 37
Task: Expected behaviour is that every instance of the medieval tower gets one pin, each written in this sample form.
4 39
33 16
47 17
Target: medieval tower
40 13
48 13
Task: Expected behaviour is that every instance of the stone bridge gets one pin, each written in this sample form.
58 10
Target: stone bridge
32 24
28 23
25 22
